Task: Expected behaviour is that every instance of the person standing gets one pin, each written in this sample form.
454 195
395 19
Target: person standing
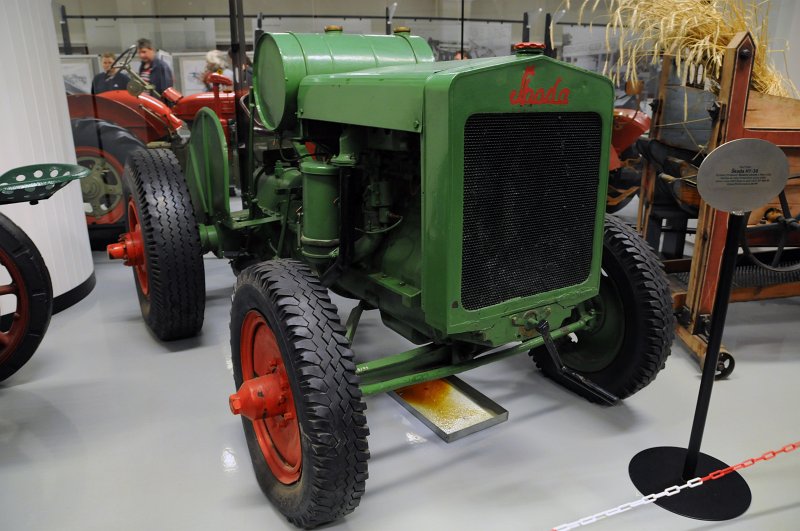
108 80
153 70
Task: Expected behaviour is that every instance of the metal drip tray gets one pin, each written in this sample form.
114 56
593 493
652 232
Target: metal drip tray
450 407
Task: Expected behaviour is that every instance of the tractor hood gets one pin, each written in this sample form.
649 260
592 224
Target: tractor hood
394 97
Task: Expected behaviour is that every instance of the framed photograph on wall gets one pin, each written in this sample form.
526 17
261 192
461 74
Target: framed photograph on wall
78 72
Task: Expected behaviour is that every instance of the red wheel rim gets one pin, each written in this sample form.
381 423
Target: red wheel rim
11 338
278 436
135 232
118 210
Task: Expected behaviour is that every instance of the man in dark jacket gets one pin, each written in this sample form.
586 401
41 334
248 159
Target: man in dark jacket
153 70
108 80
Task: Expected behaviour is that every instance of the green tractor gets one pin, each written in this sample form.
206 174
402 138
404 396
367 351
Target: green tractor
464 200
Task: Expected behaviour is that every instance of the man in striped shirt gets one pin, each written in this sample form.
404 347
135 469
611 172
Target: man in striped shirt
153 70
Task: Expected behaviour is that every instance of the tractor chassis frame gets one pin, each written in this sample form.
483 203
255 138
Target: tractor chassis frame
433 361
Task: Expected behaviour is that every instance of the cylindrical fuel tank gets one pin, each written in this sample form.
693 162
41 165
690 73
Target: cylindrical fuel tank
320 233
282 60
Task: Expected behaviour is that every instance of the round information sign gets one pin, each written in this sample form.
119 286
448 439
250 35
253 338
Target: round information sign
742 175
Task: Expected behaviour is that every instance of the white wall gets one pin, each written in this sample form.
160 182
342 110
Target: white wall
35 129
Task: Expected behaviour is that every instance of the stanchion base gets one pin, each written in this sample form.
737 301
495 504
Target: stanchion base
655 469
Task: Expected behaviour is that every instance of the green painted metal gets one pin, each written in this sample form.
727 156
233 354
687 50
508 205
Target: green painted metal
374 377
283 60
37 182
451 96
207 171
389 97
320 234
389 123
434 101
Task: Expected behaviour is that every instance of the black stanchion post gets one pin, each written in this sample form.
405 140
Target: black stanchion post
738 176
736 222
654 469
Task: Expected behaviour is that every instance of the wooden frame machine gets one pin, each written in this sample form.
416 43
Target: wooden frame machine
739 112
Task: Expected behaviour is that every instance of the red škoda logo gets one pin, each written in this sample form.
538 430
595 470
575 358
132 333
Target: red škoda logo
528 96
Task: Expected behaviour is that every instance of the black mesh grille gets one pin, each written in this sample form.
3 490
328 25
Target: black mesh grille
530 193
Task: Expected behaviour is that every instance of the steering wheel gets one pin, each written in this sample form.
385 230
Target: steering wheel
123 62
781 221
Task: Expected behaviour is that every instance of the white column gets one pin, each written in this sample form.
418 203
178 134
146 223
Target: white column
35 128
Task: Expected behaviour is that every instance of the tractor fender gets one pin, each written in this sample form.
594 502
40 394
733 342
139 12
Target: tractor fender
125 110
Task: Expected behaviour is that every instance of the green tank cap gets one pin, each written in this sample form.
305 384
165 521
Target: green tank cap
528 48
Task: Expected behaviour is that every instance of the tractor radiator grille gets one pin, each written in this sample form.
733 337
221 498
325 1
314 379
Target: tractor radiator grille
530 196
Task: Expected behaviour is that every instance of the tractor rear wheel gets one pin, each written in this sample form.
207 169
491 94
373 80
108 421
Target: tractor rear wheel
163 245
22 329
632 334
301 407
104 148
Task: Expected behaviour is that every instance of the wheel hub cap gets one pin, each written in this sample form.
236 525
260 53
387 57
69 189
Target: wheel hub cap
130 248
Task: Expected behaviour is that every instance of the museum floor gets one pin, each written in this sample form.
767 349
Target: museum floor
106 428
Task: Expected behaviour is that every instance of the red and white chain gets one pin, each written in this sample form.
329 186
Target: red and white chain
675 489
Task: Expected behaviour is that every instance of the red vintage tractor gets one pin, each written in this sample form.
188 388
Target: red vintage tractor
625 161
108 127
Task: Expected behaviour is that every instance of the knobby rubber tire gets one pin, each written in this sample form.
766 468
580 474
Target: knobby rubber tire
638 276
174 307
328 401
117 142
38 289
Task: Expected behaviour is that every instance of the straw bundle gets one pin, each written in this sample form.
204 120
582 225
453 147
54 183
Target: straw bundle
695 32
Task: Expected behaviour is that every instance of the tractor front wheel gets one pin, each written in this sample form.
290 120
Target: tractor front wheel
162 245
298 395
630 339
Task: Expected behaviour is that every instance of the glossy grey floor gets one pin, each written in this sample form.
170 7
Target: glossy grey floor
106 428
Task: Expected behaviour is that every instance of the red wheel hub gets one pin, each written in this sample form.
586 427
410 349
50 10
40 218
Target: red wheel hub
10 339
265 398
130 248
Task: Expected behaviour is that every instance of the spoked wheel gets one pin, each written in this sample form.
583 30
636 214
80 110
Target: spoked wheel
298 395
28 282
104 148
102 189
630 338
162 246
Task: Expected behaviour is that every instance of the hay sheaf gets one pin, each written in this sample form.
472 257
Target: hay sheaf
696 32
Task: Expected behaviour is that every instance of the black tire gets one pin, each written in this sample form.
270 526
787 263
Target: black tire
175 298
34 293
327 399
635 284
114 144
